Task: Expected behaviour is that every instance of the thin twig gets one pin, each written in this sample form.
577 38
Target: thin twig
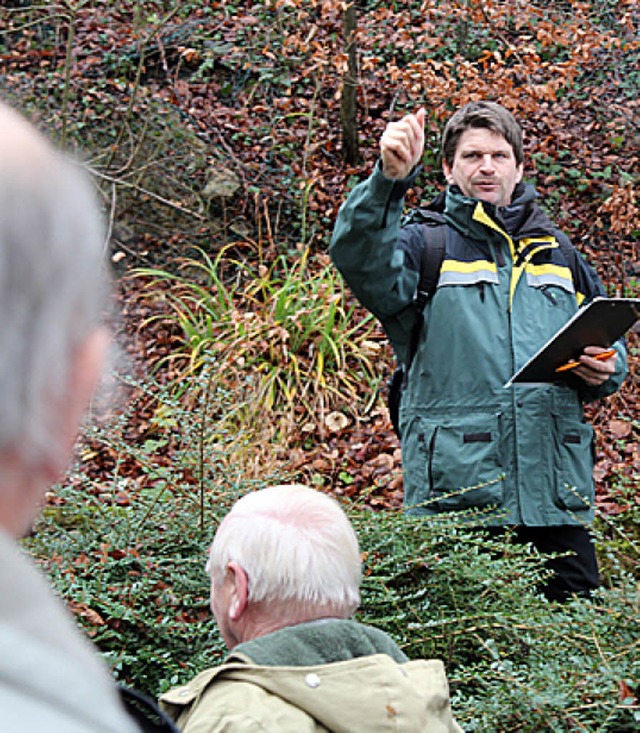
155 196
112 214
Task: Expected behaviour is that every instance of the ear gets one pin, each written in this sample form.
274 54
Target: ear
84 374
446 169
520 172
239 597
25 481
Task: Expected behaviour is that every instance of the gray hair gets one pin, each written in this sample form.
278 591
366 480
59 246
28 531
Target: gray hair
53 283
296 545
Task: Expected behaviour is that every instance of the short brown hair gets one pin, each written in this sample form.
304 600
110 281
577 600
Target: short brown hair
490 115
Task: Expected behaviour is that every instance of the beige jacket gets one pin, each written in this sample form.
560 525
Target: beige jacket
371 694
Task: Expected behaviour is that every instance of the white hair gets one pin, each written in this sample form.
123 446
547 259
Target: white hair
52 280
295 544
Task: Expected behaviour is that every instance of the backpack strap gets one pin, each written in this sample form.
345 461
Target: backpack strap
569 252
146 713
434 237
434 231
585 279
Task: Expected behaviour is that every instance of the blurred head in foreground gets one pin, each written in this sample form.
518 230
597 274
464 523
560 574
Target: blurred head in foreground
53 288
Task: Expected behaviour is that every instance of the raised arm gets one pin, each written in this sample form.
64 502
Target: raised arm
402 145
365 243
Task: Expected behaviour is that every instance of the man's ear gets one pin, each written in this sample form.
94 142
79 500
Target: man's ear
446 169
520 170
24 480
239 598
84 374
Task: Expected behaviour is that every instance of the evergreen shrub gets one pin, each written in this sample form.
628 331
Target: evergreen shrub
129 559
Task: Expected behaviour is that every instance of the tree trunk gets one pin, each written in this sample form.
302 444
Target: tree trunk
348 106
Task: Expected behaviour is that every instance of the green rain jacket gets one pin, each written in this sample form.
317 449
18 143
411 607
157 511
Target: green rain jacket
332 675
522 455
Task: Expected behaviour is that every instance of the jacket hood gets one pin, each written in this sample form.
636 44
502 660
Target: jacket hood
373 694
522 217
343 675
317 642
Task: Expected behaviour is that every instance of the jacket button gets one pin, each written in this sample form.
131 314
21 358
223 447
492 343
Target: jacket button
312 680
519 403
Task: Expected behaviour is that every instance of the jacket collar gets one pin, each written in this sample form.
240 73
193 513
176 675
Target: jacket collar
522 218
321 642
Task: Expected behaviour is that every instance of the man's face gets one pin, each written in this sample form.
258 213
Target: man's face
484 167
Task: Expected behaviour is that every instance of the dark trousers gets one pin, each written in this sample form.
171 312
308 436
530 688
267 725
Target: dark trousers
577 573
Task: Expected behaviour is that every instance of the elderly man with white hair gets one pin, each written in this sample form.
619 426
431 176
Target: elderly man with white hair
285 575
52 344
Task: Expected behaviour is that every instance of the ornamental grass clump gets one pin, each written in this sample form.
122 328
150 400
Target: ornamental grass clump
282 336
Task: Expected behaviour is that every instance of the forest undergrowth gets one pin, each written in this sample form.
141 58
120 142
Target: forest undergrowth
215 134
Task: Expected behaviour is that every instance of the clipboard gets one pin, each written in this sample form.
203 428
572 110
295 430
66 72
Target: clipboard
600 323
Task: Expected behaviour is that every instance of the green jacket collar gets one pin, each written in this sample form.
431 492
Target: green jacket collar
523 218
318 642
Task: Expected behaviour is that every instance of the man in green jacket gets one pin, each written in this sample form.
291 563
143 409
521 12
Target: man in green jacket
522 456
285 575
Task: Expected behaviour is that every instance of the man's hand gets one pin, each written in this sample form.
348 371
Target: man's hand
595 372
402 145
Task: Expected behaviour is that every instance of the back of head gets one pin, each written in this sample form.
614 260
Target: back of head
52 280
483 114
296 545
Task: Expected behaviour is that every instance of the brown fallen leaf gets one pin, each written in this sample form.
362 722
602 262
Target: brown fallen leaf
88 614
620 428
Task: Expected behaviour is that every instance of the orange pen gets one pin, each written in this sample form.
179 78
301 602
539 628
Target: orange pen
598 357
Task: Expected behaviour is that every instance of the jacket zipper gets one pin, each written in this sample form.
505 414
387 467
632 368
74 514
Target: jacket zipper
549 295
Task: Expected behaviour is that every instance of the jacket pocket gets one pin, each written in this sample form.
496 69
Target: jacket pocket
464 462
574 487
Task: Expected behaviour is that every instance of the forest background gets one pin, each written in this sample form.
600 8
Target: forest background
223 137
